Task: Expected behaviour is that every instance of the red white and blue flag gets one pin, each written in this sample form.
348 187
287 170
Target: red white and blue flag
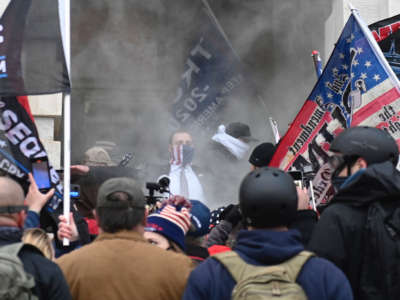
357 87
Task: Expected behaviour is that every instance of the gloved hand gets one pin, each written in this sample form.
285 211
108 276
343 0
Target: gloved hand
231 214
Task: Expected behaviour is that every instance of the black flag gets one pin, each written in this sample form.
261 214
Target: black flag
32 57
20 143
387 34
213 80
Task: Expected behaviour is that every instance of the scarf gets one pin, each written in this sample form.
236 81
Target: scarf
233 145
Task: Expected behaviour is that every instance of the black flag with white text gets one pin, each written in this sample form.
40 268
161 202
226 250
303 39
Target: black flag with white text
32 57
20 144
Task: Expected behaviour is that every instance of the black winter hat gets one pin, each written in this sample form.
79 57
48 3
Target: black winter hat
262 155
240 130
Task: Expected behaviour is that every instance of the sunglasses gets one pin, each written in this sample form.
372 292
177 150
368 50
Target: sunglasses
339 162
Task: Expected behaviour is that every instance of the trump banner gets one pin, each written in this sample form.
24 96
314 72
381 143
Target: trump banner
212 74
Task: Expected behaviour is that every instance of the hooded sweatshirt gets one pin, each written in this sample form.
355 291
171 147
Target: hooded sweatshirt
50 283
319 278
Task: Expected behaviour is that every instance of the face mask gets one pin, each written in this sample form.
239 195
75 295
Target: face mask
187 154
182 155
337 182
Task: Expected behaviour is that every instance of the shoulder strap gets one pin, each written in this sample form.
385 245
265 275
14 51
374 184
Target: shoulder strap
229 260
12 249
239 269
294 265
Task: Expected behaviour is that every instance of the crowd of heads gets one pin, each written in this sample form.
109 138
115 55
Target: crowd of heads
267 198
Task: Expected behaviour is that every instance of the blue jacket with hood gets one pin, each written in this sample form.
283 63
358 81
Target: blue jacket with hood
319 278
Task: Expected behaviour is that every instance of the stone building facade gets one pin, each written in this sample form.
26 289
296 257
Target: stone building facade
157 56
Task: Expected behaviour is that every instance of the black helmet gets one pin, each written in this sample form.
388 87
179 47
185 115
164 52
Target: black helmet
372 144
268 198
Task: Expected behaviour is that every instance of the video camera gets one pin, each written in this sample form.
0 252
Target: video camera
161 186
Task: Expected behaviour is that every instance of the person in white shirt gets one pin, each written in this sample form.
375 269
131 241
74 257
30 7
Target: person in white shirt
183 179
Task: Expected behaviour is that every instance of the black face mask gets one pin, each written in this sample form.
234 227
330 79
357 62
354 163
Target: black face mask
338 163
337 182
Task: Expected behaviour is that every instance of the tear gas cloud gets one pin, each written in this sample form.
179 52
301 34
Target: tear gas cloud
128 58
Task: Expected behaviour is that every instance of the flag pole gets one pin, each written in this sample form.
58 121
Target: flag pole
211 14
317 63
275 131
65 17
374 45
319 70
221 30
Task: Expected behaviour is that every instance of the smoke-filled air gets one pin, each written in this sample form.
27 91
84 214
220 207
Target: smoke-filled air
128 59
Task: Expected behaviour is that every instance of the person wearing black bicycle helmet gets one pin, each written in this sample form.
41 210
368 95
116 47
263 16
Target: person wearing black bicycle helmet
268 202
364 175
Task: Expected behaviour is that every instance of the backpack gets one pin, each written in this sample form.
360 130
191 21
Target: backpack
15 283
265 282
380 267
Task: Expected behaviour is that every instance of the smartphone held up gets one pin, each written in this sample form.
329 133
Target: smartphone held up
41 174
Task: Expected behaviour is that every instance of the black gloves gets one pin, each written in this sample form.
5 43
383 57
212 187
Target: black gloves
232 214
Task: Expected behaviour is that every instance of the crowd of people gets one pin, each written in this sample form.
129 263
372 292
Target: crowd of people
262 241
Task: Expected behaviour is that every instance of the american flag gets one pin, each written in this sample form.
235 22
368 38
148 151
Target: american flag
355 79
357 87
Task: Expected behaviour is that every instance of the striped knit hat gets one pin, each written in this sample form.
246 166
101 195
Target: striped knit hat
171 221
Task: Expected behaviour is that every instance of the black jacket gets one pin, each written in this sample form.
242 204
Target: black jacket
305 222
91 182
225 234
338 236
198 254
49 280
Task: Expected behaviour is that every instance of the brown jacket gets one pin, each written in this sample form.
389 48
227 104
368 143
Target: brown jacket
124 266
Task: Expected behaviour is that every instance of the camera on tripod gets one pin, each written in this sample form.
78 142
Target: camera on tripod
161 186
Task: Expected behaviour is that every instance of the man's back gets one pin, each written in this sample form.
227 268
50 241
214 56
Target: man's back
124 266
340 233
338 237
319 278
49 280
